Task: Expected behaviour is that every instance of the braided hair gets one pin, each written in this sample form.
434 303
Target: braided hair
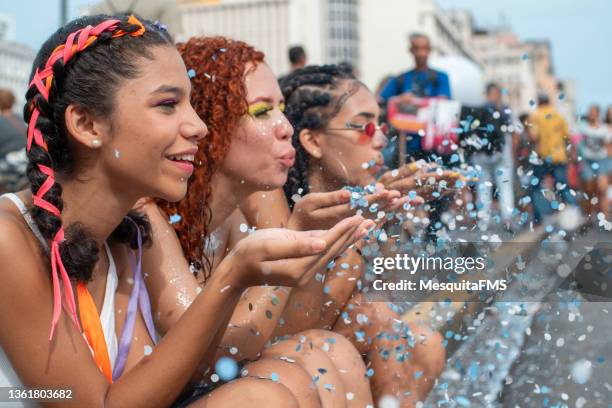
313 96
83 64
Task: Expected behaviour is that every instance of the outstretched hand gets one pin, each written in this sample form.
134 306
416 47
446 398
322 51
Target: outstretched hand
284 257
323 210
422 178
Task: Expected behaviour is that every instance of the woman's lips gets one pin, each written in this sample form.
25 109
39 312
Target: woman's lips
288 159
185 166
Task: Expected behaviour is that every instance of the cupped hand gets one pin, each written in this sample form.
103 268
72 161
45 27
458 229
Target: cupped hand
422 178
285 257
323 210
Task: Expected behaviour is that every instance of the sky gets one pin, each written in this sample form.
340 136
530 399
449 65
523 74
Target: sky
580 32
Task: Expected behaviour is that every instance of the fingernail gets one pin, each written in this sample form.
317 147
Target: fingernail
318 245
361 233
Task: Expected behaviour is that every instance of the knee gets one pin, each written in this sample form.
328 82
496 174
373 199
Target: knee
429 349
270 394
337 346
291 375
249 392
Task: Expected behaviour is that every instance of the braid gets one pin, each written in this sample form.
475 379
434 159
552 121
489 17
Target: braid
62 75
313 96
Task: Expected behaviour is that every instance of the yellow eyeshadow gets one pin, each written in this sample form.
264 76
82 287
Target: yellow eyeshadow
259 108
281 107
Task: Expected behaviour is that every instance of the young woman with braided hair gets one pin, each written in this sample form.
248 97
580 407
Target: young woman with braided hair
109 121
339 143
249 149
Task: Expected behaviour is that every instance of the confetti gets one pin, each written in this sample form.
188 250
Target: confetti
226 368
581 371
191 73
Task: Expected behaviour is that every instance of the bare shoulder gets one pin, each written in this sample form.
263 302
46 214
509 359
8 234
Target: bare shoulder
19 248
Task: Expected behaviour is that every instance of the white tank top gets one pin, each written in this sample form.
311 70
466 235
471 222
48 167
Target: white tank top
8 377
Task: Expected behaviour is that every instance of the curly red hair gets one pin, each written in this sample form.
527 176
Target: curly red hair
219 97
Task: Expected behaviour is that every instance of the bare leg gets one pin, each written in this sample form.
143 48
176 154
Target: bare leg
248 392
349 363
406 358
316 363
291 375
602 190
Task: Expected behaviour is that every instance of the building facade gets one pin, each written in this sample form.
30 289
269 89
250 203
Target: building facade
509 63
328 29
384 33
15 66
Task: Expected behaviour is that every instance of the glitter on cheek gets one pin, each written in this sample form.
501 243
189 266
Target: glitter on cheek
264 131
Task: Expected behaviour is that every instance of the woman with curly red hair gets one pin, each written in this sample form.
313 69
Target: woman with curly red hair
248 149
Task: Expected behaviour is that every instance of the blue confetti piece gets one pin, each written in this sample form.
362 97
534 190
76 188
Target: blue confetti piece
473 371
274 377
174 218
454 158
370 372
191 73
418 374
464 402
226 368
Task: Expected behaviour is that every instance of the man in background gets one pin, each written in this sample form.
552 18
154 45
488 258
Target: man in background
494 157
550 134
422 81
13 159
297 57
